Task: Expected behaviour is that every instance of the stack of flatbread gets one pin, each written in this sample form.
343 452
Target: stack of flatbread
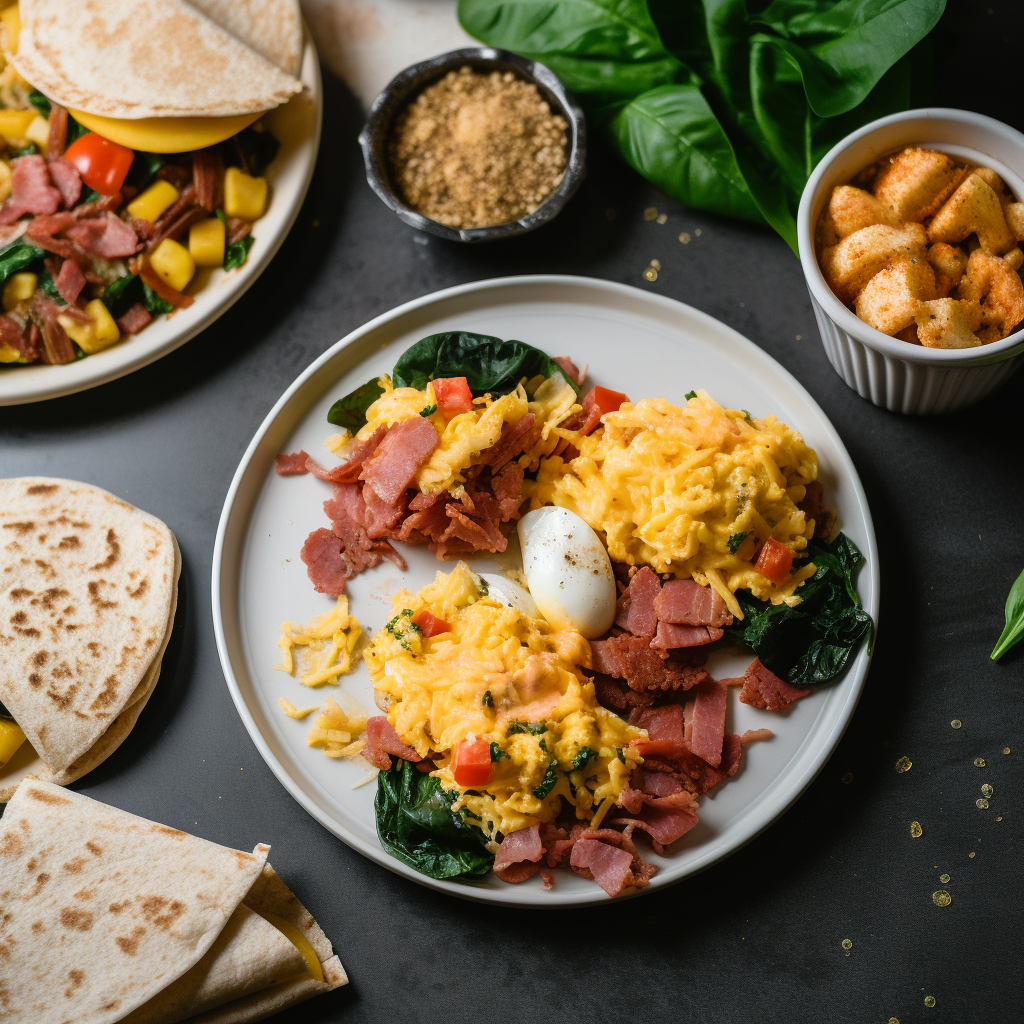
109 917
132 59
88 589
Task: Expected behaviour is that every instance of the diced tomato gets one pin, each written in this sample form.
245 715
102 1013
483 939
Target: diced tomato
775 561
453 396
102 164
597 402
430 625
471 764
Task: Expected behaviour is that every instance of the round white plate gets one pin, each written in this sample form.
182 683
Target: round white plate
635 342
297 126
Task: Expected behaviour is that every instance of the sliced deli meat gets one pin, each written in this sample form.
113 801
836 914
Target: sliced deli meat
106 236
611 868
382 741
70 281
687 603
707 731
632 658
405 448
326 567
291 465
66 178
763 689
671 636
519 855
32 190
641 613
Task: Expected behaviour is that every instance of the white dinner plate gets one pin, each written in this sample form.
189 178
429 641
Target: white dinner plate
297 125
635 342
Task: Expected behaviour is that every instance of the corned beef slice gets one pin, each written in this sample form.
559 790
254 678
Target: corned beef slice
570 370
70 281
644 588
664 818
134 319
382 740
707 732
519 855
347 512
763 689
510 444
31 190
609 867
380 517
325 564
348 472
405 448
687 603
632 658
664 727
291 465
65 176
671 636
616 695
106 236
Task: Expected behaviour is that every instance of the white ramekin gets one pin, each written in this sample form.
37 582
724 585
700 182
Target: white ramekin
892 373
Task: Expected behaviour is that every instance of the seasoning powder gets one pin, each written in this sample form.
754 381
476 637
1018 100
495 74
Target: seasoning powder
474 149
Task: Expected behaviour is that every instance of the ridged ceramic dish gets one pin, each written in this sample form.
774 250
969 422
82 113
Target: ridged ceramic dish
891 373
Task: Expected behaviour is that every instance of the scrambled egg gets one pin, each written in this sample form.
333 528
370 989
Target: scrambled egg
514 681
466 435
325 644
689 491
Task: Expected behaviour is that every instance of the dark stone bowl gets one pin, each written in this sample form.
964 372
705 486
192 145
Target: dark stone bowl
405 85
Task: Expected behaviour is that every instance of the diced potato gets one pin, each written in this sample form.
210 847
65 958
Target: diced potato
19 288
244 196
11 738
915 182
948 323
101 333
8 353
14 123
206 242
174 263
11 20
890 299
973 208
160 196
853 208
849 265
5 180
38 131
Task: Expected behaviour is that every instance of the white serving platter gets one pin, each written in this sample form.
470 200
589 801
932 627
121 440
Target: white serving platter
297 126
635 342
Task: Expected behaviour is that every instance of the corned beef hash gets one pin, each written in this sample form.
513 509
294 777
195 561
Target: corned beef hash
551 719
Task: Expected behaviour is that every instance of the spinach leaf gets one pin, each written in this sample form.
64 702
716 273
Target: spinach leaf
583 757
811 642
549 781
488 363
30 150
144 169
533 728
416 824
350 412
497 753
48 287
237 252
735 540
1014 629
253 148
18 256
40 102
153 302
122 293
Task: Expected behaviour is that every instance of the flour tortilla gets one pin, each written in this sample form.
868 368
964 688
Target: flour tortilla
143 58
273 28
105 909
88 585
115 918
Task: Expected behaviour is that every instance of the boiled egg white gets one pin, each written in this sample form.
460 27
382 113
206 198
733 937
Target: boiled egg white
510 593
568 571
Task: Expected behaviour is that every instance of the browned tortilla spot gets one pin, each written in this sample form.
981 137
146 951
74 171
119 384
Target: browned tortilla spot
78 920
140 589
76 865
107 695
113 552
10 845
130 943
94 595
19 592
47 798
77 977
40 658
41 489
162 912
20 527
94 848
168 831
69 542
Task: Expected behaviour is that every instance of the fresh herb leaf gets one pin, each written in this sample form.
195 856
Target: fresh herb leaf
122 293
144 169
253 149
75 131
416 824
497 753
18 256
153 302
690 394
237 252
90 196
350 412
489 364
222 217
483 586
30 150
40 102
487 701
48 287
811 642
549 781
1014 629
620 755
533 728
428 410
583 757
735 540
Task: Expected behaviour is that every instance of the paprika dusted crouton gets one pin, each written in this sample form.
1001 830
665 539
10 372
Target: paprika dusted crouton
973 208
1014 214
890 299
914 183
853 208
949 264
995 284
849 265
948 323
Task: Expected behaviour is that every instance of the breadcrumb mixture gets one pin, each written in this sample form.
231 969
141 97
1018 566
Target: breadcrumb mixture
475 149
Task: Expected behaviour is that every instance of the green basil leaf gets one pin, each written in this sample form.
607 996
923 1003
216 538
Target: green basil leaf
489 364
549 781
416 824
18 256
1014 629
237 252
40 102
671 136
153 302
350 412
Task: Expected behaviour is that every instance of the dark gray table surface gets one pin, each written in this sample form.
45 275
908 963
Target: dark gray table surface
757 937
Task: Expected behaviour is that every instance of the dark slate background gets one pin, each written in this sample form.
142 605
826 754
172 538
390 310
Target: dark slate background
759 936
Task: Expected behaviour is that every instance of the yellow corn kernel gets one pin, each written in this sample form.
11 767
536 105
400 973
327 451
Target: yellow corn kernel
174 263
160 196
206 242
11 19
5 180
8 353
38 131
244 196
19 288
95 336
14 123
11 738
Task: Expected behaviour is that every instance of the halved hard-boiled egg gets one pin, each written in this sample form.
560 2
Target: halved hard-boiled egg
510 593
568 571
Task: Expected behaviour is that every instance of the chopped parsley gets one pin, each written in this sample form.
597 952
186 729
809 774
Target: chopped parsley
488 701
736 540
497 753
533 728
746 415
483 586
618 751
237 252
428 410
549 781
691 394
583 757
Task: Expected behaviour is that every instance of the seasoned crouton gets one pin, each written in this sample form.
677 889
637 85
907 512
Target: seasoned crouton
850 264
949 264
948 323
1015 257
915 183
908 334
889 301
852 209
1014 214
994 182
973 208
997 286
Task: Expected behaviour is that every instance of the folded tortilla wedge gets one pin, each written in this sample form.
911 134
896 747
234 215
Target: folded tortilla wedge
88 590
110 917
273 28
151 58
